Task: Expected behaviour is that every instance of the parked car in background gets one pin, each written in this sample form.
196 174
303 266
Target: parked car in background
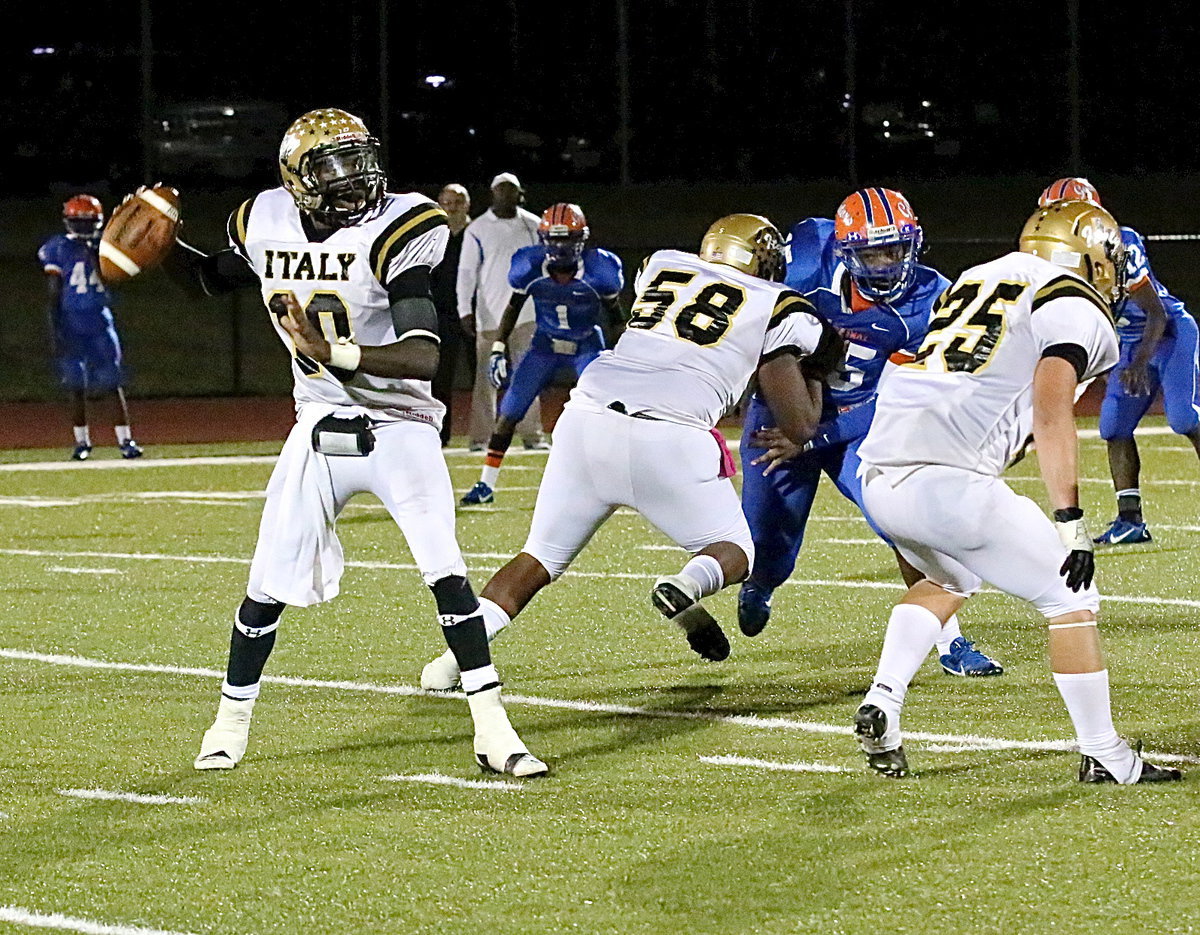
216 139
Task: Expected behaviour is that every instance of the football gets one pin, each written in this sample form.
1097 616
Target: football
139 234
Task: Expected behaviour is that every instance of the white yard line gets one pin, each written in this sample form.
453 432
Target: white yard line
107 795
726 760
597 707
615 575
437 779
137 464
63 569
55 920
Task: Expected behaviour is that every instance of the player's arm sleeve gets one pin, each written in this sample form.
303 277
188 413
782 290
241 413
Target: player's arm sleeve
204 274
1077 328
411 303
469 262
520 272
796 329
48 257
613 276
1137 262
418 237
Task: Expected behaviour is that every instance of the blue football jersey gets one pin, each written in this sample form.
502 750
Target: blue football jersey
83 301
1131 319
872 334
569 311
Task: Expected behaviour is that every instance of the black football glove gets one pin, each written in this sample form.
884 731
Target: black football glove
1080 566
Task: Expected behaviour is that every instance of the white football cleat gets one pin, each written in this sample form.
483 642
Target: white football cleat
498 749
224 743
441 675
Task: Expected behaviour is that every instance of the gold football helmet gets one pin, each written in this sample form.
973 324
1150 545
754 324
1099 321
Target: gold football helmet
747 242
1083 238
329 163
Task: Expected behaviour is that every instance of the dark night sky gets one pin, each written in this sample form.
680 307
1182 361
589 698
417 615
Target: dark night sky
748 90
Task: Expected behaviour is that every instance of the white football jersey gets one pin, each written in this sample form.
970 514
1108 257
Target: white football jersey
697 332
341 282
966 400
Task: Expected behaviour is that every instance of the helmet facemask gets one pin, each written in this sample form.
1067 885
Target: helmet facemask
345 182
563 251
882 267
83 227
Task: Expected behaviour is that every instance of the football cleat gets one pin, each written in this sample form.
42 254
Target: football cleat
675 597
754 607
479 494
475 447
872 726
538 445
81 453
498 749
1122 532
130 449
441 675
224 743
965 659
1092 770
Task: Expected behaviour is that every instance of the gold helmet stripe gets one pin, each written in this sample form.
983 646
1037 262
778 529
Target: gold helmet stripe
1069 287
406 228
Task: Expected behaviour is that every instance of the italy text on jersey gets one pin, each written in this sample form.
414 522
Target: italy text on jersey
697 332
966 399
341 282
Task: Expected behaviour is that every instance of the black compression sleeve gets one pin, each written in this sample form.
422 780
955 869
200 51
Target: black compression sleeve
1073 354
413 311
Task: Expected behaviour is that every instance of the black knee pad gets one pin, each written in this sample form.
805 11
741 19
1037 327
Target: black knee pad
454 597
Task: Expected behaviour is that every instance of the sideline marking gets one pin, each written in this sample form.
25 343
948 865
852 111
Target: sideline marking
615 575
56 920
726 760
437 779
110 796
598 707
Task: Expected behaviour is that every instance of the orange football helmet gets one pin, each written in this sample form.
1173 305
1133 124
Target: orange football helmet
877 236
563 230
1072 189
83 216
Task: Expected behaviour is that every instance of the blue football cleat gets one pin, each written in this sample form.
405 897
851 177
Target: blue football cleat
754 608
1123 532
965 659
130 449
480 493
81 453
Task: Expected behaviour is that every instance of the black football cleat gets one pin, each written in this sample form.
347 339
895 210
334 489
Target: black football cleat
870 724
1092 770
704 634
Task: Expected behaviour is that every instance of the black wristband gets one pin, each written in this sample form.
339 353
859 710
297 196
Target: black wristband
1067 515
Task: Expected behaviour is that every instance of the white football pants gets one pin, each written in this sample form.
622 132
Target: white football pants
961 528
298 559
668 472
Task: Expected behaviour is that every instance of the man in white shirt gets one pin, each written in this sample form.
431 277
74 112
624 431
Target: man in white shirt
483 293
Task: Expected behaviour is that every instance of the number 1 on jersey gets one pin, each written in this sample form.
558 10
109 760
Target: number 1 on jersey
332 318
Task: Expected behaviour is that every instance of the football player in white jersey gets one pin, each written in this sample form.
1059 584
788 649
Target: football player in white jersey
639 428
1008 345
344 267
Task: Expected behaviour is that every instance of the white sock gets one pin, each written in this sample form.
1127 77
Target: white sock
490 475
240 692
123 434
911 633
495 617
706 572
1087 700
950 632
475 679
81 435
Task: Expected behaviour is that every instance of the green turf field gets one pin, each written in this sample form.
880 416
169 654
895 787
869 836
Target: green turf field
645 825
